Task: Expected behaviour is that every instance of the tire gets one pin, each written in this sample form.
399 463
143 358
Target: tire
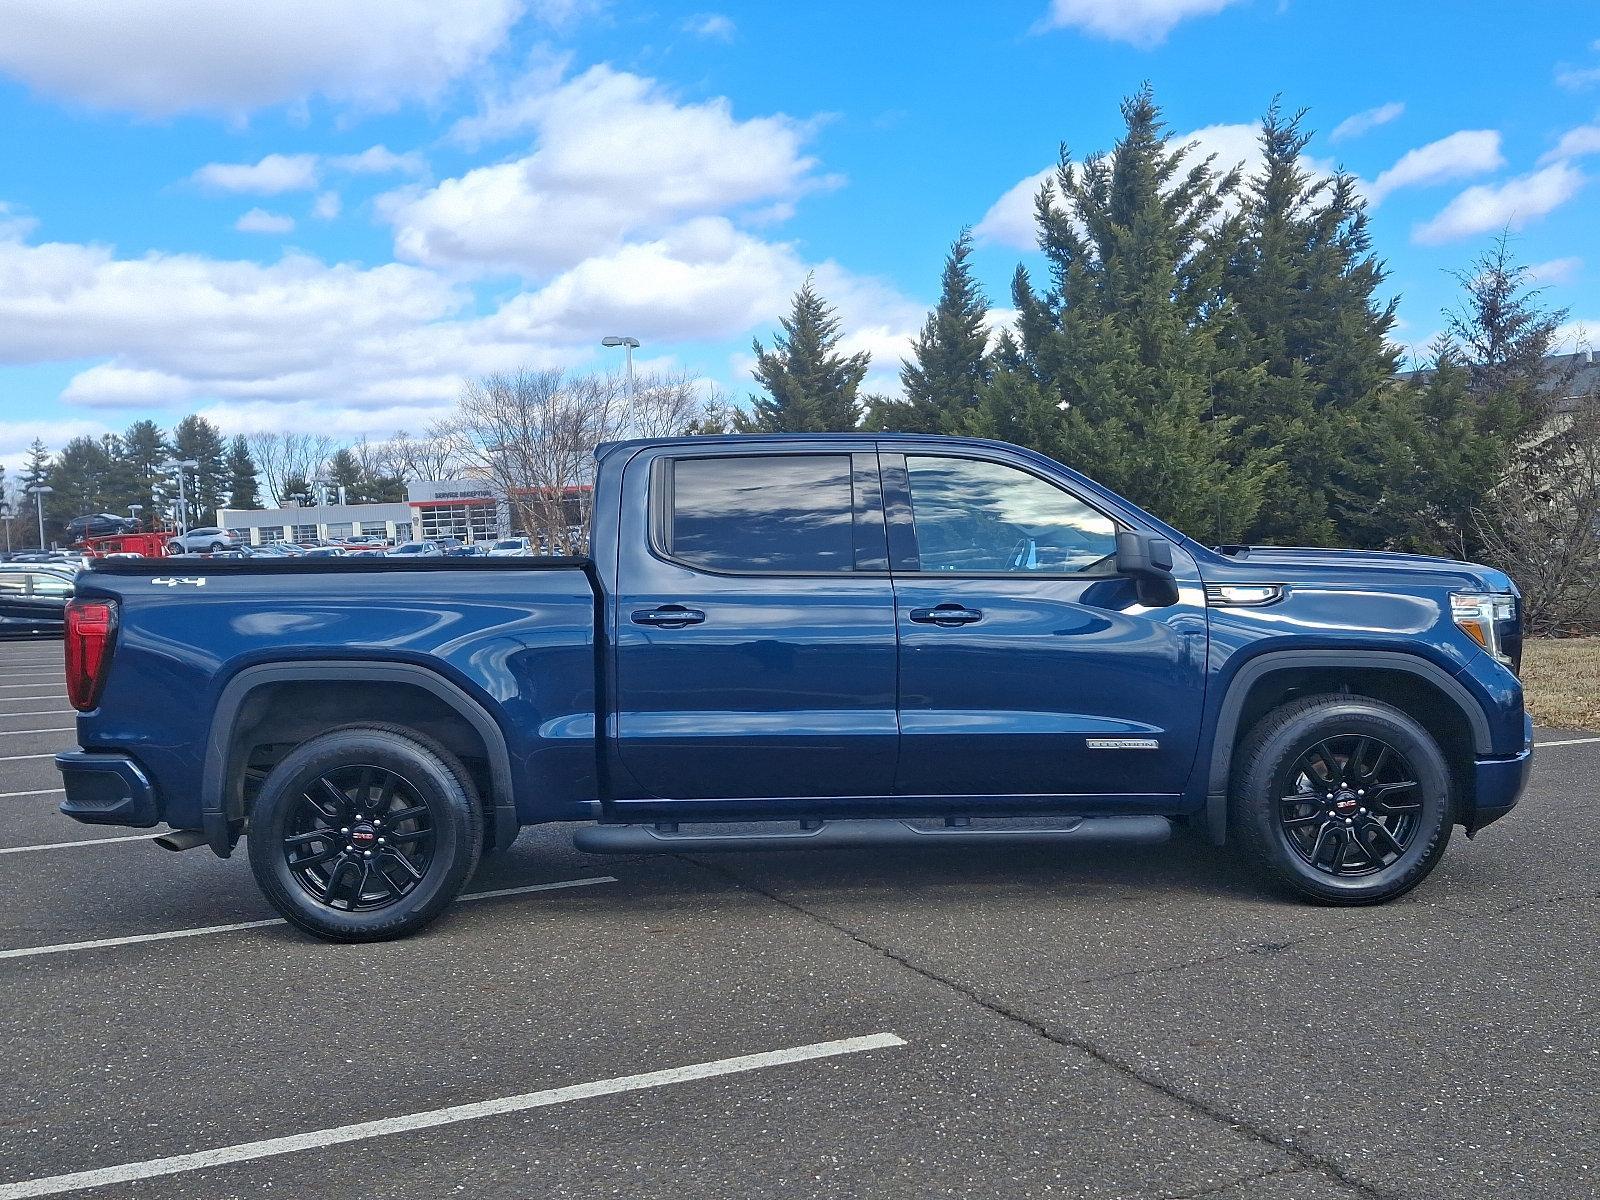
215 546
175 547
351 779
1343 800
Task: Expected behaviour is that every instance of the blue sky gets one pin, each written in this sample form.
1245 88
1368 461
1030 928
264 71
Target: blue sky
311 215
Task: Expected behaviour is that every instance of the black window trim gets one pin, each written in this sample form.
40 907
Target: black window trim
904 552
862 462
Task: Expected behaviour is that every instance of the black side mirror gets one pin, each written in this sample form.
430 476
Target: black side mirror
1148 560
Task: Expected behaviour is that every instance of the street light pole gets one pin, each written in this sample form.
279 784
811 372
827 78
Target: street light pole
183 499
39 491
629 345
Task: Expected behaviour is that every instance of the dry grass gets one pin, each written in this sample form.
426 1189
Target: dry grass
1561 679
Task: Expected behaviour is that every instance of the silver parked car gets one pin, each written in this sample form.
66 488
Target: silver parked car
207 539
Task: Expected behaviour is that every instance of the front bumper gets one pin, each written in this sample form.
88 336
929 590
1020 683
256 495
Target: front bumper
1498 783
106 789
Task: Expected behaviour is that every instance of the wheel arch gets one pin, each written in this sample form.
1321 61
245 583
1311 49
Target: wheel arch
290 698
1454 718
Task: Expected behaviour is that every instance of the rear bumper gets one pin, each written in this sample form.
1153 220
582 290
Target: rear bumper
1498 783
106 789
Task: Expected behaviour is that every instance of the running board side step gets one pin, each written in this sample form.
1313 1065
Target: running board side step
667 838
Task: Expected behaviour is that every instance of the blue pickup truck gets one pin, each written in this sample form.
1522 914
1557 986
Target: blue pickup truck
791 641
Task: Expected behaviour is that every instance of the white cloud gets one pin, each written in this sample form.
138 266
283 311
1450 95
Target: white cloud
274 174
1514 203
278 173
1010 219
362 350
1557 270
615 156
713 27
380 160
161 57
1366 121
1459 156
327 206
54 432
259 220
1577 79
1143 22
1574 143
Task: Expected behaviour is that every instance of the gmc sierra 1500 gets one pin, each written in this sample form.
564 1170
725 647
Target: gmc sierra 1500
856 639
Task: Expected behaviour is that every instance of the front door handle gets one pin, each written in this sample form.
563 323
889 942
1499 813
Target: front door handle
668 616
948 615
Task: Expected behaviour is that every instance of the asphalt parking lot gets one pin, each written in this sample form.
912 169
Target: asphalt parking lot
1021 1022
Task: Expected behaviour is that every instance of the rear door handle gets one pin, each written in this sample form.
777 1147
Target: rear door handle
668 616
947 614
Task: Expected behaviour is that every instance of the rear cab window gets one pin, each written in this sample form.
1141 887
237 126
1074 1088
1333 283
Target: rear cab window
760 513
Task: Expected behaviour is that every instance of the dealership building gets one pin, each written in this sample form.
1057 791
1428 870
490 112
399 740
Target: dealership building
461 508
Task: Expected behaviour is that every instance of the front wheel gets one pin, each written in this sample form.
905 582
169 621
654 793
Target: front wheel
174 547
364 834
1343 799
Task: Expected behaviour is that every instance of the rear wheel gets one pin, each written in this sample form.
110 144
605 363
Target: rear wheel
1343 799
364 834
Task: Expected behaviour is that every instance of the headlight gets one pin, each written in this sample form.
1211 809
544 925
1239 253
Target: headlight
1488 618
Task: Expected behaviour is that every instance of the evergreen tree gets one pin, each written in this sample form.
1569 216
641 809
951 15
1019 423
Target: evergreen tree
244 489
950 364
1123 359
144 449
1504 337
346 473
196 439
84 479
1301 287
811 386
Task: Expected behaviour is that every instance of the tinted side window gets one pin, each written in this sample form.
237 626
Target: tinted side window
983 516
50 585
762 513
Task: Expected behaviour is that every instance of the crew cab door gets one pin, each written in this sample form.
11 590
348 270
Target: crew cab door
754 624
1027 665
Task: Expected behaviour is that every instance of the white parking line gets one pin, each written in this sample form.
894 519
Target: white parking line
39 712
11 687
139 837
433 1118
61 695
102 943
40 792
25 757
1583 741
20 732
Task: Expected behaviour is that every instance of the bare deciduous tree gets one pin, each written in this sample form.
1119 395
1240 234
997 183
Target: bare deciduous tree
1542 525
531 435
286 458
427 457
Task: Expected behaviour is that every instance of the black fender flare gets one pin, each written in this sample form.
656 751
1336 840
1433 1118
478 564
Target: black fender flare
1273 661
219 822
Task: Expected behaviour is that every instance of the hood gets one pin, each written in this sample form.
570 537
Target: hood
1363 563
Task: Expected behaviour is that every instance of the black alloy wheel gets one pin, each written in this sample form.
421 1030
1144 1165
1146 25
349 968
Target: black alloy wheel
365 833
1342 799
1355 807
360 839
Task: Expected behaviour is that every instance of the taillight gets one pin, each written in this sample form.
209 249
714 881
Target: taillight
91 627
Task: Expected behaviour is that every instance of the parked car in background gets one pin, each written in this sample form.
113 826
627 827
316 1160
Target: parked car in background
364 541
449 545
517 547
205 540
374 553
326 552
33 597
100 525
416 550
